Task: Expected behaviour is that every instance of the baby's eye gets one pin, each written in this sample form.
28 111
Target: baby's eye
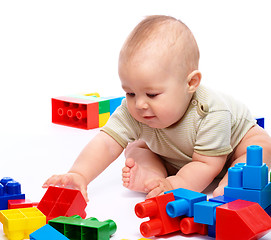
152 95
130 94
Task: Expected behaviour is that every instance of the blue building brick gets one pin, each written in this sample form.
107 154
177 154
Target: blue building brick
47 232
204 212
263 197
222 199
260 121
250 181
255 177
255 173
184 202
212 231
9 189
114 103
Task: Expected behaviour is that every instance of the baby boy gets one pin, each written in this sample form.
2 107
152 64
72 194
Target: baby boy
176 133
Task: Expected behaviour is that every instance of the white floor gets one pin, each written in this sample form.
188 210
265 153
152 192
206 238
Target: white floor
31 158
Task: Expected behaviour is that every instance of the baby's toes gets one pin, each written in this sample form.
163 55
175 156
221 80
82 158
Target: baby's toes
126 173
126 170
125 181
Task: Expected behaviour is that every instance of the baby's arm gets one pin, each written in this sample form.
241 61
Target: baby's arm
196 175
98 154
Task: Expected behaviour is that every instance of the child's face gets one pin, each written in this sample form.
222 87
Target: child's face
156 92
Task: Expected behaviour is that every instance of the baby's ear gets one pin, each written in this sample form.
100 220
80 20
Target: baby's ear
193 80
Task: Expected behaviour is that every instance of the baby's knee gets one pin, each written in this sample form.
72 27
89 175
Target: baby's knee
267 153
134 147
264 140
255 136
131 147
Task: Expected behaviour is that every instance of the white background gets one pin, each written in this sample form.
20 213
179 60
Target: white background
53 48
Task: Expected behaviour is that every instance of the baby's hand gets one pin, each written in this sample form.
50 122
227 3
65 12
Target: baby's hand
68 180
156 187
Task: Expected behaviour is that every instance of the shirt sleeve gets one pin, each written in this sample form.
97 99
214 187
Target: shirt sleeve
214 134
122 126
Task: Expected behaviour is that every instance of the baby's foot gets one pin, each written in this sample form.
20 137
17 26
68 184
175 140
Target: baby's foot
135 176
132 176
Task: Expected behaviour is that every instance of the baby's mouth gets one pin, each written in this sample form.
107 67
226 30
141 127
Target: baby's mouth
148 117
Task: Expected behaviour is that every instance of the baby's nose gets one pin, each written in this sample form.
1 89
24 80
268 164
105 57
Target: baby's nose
141 104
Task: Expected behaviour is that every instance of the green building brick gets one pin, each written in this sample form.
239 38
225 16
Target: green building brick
76 228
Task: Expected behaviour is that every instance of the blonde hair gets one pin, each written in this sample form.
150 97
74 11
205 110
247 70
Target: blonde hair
169 33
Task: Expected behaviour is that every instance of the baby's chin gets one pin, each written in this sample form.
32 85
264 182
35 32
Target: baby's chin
155 122
157 125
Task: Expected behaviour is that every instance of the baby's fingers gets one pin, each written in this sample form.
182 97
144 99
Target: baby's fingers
156 187
55 180
69 180
85 194
155 192
151 184
153 188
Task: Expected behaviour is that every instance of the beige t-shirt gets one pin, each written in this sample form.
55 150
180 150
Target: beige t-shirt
213 125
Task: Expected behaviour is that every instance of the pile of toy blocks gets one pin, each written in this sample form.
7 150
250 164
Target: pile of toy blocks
243 212
63 209
86 111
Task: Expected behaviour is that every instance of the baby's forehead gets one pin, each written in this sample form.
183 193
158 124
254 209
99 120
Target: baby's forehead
157 36
161 37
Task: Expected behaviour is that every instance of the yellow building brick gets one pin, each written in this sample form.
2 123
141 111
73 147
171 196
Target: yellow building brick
19 223
103 118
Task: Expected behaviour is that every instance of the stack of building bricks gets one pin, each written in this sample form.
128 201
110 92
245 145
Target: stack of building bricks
241 213
63 208
17 223
9 189
86 111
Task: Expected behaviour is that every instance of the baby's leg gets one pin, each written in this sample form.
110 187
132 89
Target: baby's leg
255 136
141 166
